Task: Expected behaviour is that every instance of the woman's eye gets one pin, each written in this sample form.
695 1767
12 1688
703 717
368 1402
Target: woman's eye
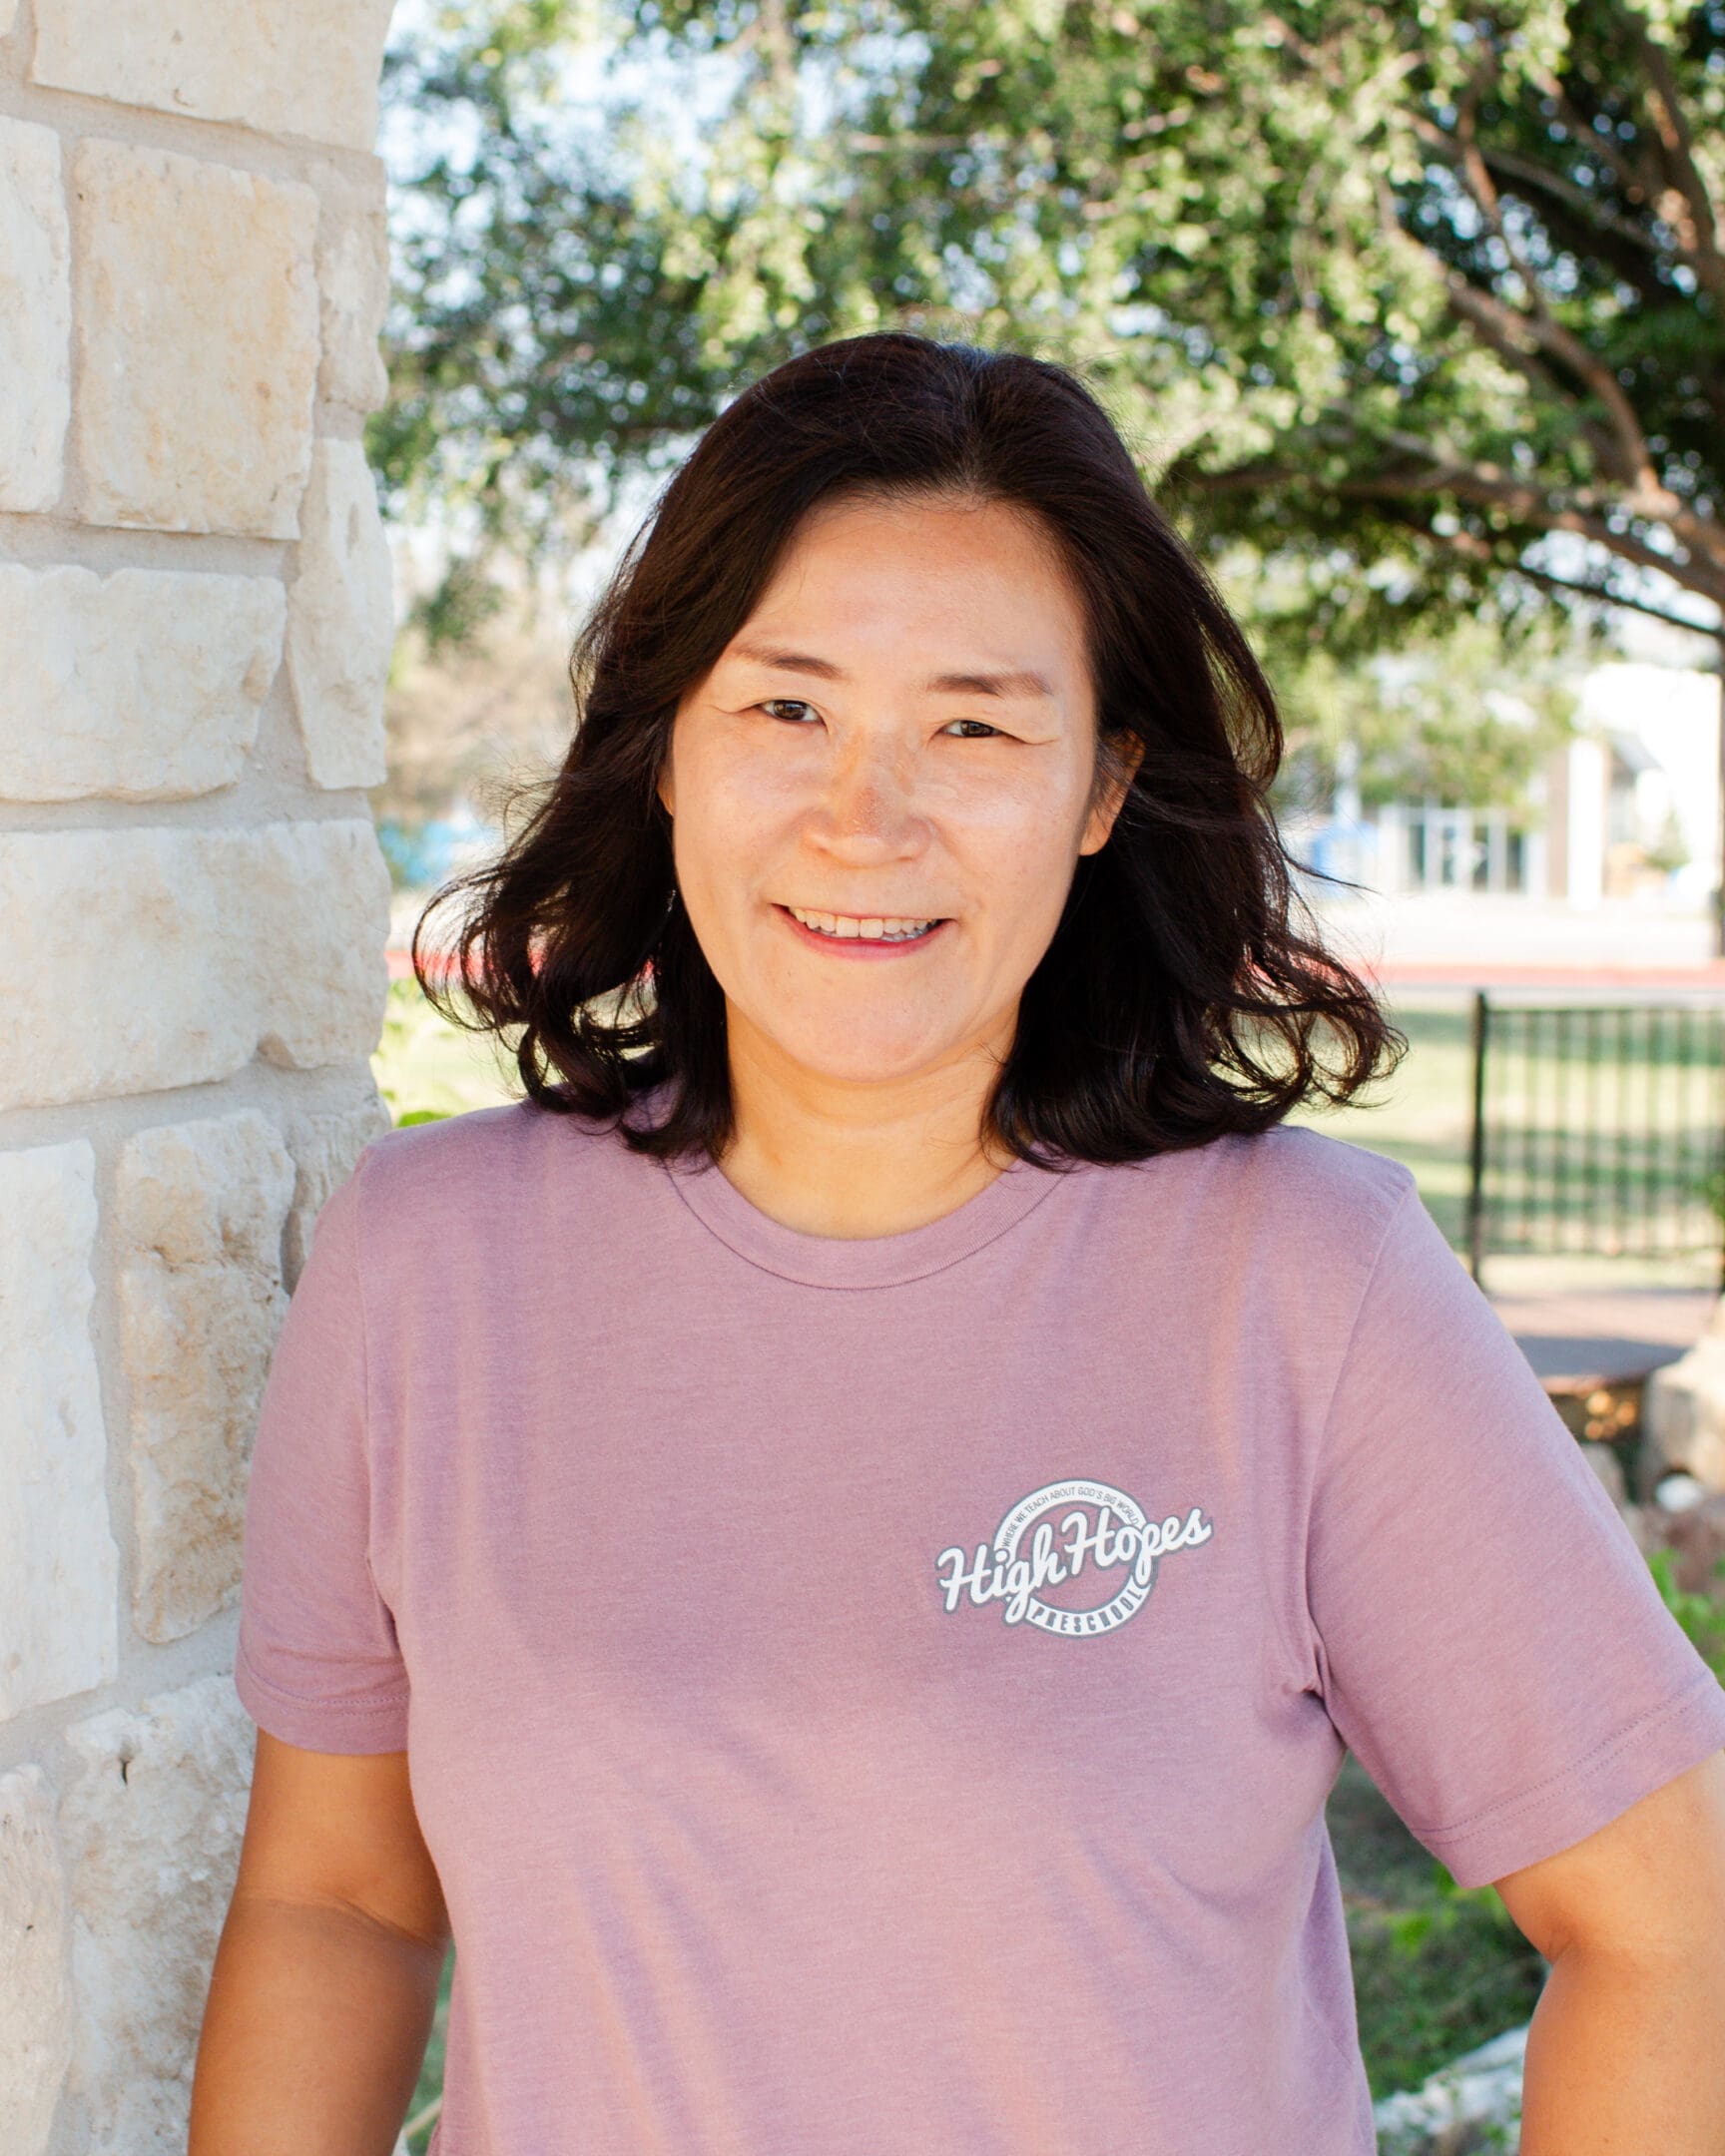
779 706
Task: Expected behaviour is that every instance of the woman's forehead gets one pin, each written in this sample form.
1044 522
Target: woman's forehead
985 600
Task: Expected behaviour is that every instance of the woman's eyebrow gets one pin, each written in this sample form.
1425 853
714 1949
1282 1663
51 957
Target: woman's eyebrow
1021 681
787 662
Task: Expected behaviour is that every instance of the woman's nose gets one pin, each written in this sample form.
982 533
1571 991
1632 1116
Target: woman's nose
868 794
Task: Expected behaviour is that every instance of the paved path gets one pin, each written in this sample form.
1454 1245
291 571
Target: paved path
1496 935
1464 975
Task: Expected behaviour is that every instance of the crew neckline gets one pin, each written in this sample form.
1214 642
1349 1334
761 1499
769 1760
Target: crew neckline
889 1260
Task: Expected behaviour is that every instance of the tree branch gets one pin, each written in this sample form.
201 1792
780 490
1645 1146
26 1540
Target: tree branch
1544 382
1701 239
1477 305
1531 172
1479 550
1637 184
1537 509
1485 486
1605 597
1503 326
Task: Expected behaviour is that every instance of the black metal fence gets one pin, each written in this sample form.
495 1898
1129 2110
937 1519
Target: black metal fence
1597 1129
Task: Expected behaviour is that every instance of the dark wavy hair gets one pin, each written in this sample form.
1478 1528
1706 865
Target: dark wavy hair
1175 1000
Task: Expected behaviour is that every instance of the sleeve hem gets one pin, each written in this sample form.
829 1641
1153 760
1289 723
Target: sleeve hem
1599 1787
350 1726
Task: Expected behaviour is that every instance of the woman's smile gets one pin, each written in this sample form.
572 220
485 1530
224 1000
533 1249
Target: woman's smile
856 937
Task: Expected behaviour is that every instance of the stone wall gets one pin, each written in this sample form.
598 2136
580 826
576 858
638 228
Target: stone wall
194 621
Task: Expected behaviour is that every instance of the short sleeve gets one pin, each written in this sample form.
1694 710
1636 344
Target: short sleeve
1490 1642
317 1663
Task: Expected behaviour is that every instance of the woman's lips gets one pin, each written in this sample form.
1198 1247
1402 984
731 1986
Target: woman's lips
861 946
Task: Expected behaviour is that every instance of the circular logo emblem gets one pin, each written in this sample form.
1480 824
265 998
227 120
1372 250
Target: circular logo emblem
1057 1534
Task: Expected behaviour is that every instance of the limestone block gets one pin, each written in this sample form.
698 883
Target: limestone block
8 16
35 318
143 686
290 67
172 958
331 978
1683 1413
198 1227
352 292
59 1569
1695 1536
1609 1468
35 1979
1472 2103
196 340
324 1149
342 621
150 1826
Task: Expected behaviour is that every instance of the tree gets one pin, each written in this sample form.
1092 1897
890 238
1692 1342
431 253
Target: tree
1425 299
1441 718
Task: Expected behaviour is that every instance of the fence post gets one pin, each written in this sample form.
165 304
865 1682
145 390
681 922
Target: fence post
1476 1149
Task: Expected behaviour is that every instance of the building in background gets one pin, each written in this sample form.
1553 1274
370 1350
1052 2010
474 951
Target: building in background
1630 808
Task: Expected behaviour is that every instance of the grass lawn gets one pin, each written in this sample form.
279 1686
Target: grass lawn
1422 1114
1436 1972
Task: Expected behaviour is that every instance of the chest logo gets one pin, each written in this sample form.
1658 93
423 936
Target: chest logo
1103 1530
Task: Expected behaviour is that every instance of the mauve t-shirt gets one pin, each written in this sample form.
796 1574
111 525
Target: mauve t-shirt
881 1695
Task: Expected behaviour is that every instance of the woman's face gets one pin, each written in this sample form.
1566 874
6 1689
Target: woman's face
902 730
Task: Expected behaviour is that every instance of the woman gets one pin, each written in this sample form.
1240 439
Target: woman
839 1542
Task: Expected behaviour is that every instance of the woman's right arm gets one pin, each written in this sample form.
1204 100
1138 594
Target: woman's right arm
326 1978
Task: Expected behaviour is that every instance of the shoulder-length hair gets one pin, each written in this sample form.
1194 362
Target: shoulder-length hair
1175 1001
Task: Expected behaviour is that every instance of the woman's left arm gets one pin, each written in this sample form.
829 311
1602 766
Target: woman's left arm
1626 2047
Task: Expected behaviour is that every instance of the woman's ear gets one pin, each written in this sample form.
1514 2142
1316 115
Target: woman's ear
1126 753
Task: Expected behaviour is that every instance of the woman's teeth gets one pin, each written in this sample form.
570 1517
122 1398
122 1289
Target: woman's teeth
887 928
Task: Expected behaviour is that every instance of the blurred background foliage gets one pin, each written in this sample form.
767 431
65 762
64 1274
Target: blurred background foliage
1414 314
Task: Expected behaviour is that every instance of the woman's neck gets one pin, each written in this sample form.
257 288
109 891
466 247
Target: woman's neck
832 1159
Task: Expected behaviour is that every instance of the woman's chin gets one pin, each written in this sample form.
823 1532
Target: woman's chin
852 1062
